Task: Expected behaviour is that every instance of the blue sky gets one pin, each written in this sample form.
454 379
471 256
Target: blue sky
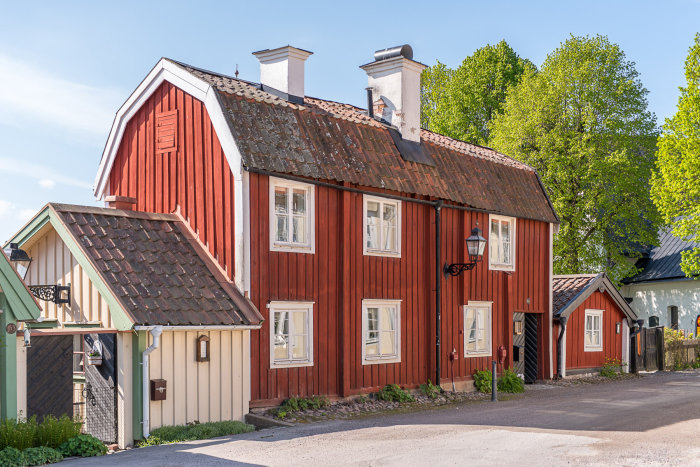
65 67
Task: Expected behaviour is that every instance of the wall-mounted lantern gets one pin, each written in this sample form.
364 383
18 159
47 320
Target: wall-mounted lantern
202 349
475 246
21 261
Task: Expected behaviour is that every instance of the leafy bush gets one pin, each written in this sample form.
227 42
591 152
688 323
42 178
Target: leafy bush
482 381
611 368
175 434
41 455
12 457
392 392
510 382
83 446
51 432
431 390
299 404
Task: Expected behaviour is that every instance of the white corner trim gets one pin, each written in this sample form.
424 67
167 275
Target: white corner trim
551 299
563 355
625 346
246 233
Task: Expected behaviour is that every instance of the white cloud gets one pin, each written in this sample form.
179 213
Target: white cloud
12 217
6 208
47 183
47 176
30 91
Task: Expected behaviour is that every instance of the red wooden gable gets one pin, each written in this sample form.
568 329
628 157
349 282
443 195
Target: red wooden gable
166 131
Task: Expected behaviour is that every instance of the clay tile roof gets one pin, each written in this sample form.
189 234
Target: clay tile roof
156 268
332 141
566 288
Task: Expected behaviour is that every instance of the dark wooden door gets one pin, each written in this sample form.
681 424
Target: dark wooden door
50 376
519 343
531 347
100 389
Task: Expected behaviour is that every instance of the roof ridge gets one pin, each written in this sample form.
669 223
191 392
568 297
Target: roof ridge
77 208
575 276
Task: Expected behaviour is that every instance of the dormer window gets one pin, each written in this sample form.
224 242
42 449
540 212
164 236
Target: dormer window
291 216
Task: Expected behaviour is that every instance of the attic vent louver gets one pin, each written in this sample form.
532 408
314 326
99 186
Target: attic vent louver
166 132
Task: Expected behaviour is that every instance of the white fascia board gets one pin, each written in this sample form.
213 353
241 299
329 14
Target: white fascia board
171 72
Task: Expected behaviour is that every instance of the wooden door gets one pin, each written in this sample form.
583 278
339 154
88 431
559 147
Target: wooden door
50 376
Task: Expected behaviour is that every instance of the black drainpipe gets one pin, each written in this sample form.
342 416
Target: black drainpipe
370 103
560 364
438 279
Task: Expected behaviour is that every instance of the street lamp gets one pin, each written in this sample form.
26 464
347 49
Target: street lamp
21 261
475 247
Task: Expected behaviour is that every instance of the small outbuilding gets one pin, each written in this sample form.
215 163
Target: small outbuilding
592 323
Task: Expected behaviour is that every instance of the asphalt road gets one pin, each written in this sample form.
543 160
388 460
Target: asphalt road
654 420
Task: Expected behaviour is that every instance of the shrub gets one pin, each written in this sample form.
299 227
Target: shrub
611 368
11 457
510 382
41 455
51 432
175 434
299 404
392 392
83 446
482 381
431 390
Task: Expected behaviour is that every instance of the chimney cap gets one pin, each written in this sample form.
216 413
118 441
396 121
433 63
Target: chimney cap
270 55
405 51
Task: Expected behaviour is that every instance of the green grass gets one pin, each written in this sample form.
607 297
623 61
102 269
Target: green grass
175 434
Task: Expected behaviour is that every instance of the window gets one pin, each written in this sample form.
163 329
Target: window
477 329
78 355
673 317
291 334
382 226
381 336
291 216
593 341
502 243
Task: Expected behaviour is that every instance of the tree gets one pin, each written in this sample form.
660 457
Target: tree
676 182
582 122
460 103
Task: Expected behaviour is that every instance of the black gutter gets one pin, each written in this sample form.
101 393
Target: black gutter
560 341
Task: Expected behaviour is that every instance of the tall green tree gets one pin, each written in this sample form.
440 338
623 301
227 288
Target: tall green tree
676 182
582 122
460 103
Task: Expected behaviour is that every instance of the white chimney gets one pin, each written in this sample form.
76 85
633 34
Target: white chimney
283 69
394 79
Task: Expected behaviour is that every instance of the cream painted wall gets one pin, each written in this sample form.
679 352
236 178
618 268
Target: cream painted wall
125 390
654 298
203 391
21 377
53 263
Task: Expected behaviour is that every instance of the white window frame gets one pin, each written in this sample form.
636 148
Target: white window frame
475 305
379 251
513 240
375 359
292 247
292 306
588 347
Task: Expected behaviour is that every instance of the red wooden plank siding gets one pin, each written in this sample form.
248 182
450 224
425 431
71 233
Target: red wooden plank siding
576 357
197 180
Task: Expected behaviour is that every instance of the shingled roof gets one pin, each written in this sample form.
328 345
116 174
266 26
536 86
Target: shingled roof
338 142
664 262
156 268
569 291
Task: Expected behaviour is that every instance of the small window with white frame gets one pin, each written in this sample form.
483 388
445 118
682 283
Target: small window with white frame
381 331
291 334
382 226
501 243
593 340
477 329
291 216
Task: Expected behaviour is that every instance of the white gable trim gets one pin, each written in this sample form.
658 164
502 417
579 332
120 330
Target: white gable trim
166 70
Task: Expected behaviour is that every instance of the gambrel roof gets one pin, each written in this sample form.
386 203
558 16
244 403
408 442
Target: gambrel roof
338 142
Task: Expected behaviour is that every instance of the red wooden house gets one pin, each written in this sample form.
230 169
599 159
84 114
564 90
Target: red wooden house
592 323
337 223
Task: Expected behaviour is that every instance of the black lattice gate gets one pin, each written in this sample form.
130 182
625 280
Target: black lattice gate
531 347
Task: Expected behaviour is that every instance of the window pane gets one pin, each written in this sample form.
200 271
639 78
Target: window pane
299 229
388 317
388 343
280 200
390 214
389 238
589 339
299 201
299 347
373 223
372 344
299 322
505 241
372 319
281 330
470 329
493 241
282 234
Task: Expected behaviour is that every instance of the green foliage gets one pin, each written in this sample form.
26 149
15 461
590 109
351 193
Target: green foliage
300 404
460 103
83 446
51 432
12 457
41 455
510 382
393 392
178 433
482 381
431 390
582 122
675 188
611 368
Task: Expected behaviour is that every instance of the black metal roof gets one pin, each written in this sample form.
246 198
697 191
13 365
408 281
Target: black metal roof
664 262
